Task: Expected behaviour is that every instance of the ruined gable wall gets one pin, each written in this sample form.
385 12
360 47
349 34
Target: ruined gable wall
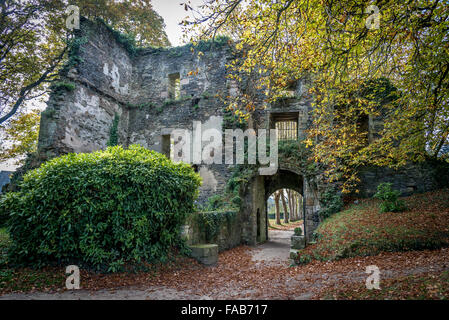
79 120
109 80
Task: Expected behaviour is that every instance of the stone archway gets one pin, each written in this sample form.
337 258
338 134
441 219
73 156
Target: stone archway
254 225
283 179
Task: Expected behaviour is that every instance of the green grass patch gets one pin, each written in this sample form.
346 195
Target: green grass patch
362 230
284 226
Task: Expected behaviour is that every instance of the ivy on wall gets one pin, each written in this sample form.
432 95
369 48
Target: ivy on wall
294 153
58 86
113 133
74 50
211 222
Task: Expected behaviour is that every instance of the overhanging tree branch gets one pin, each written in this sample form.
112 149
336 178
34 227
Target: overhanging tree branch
25 91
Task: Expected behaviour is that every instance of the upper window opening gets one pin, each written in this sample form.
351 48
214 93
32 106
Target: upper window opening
174 90
287 130
286 124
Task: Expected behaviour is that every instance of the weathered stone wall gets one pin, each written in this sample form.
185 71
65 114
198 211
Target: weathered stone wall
151 124
200 76
79 120
109 80
228 236
412 178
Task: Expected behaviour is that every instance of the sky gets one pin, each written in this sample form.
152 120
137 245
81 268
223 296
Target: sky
173 13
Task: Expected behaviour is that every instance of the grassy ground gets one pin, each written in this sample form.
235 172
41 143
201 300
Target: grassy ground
284 226
362 230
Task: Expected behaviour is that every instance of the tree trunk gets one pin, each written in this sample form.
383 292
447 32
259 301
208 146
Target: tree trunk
289 201
295 206
284 205
276 203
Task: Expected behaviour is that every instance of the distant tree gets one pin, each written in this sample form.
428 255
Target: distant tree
284 205
277 196
293 204
22 134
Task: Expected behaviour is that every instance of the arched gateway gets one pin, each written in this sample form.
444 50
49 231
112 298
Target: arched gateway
255 195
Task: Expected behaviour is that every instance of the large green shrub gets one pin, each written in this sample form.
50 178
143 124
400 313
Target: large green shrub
389 197
103 209
3 214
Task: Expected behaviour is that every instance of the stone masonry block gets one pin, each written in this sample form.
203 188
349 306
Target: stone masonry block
298 242
205 253
293 254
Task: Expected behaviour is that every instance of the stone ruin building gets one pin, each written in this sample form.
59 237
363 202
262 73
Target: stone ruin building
153 91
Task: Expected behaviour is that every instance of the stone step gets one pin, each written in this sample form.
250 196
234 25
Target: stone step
205 253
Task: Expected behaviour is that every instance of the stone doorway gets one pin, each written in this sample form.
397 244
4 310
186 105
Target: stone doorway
256 194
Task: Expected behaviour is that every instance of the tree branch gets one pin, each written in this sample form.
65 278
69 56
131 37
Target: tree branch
27 89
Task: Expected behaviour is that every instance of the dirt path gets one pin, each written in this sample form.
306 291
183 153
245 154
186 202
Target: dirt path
260 272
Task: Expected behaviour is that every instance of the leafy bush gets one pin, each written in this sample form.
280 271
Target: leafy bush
102 210
390 203
298 231
3 213
331 203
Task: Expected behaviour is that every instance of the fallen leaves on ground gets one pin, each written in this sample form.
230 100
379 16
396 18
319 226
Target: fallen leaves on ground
237 276
362 229
403 275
